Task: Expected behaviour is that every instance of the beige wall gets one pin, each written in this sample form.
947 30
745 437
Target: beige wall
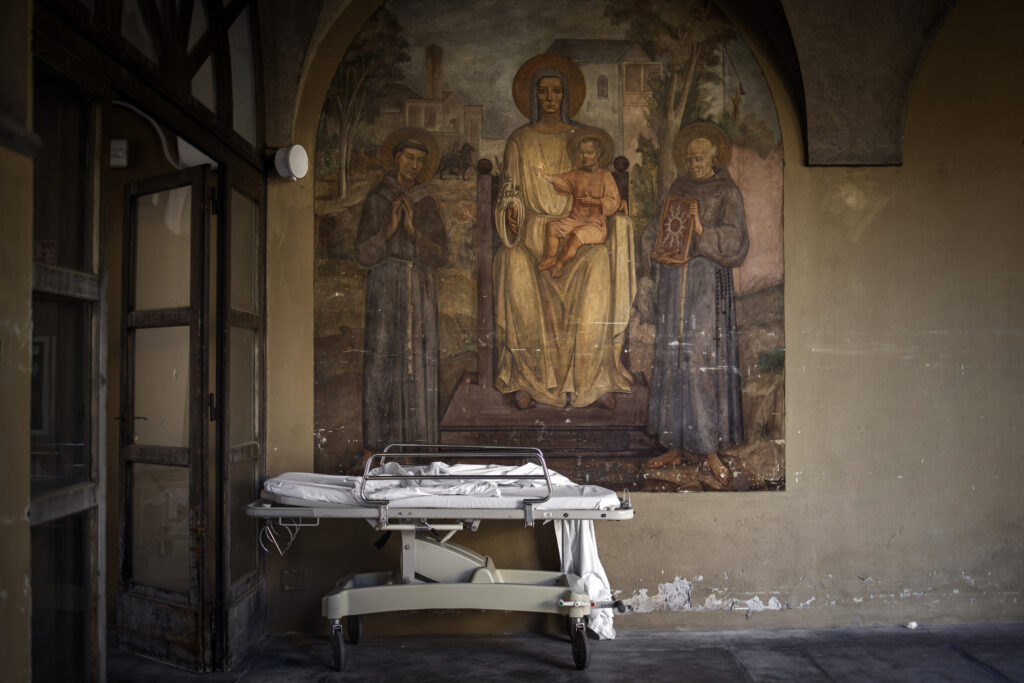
15 351
905 384
15 378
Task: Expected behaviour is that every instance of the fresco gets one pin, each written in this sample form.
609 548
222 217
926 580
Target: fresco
557 227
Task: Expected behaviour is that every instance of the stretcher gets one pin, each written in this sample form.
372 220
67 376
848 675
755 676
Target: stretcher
427 505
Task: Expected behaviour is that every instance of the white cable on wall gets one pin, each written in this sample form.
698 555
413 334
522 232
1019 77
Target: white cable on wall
156 127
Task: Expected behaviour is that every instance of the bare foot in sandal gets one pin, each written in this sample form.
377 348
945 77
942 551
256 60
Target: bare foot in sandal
718 469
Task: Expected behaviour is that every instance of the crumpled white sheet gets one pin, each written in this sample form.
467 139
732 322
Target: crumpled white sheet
511 478
577 543
507 492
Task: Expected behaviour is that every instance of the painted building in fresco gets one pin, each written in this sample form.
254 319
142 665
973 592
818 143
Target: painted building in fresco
619 77
442 112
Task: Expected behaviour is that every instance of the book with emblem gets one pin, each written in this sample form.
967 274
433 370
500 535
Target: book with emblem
675 231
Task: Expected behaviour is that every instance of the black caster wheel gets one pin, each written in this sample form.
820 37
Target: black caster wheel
337 647
580 647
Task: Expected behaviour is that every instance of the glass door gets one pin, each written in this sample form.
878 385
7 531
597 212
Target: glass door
166 409
192 589
240 388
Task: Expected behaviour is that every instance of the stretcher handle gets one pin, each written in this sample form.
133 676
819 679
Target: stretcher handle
458 451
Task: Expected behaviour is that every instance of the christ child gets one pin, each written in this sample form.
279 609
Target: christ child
594 196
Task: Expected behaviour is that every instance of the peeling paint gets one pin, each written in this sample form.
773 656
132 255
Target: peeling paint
671 596
677 597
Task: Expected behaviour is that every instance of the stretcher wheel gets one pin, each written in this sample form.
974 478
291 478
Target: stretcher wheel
354 628
337 647
580 648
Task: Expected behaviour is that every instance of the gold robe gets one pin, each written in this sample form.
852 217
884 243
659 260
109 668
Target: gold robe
557 336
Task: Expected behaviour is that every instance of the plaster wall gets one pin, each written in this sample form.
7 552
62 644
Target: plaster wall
904 347
905 368
15 377
15 351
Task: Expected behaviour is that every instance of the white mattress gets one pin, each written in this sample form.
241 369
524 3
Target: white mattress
506 492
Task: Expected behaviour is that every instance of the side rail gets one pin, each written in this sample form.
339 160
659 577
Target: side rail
432 452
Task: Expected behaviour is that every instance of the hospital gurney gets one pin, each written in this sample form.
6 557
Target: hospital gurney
424 502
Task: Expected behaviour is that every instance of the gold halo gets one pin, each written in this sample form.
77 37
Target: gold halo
702 129
521 83
387 155
592 132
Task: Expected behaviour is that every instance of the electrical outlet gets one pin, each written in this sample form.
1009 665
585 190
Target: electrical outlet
118 153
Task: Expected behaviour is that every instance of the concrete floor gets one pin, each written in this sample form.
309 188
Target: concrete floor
985 652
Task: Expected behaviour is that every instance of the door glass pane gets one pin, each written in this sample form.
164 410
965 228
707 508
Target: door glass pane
61 410
204 88
242 491
133 29
243 390
244 217
161 386
164 238
243 81
199 24
61 180
160 526
61 599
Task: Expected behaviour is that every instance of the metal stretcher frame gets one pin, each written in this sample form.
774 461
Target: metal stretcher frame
435 573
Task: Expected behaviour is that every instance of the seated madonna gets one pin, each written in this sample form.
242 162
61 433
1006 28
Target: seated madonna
559 335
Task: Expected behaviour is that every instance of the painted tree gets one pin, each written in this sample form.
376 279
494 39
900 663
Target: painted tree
687 36
372 64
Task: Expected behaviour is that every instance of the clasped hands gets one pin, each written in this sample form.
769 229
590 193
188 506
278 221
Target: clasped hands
401 215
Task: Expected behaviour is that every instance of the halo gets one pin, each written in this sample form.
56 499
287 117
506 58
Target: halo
702 129
387 156
521 82
592 132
